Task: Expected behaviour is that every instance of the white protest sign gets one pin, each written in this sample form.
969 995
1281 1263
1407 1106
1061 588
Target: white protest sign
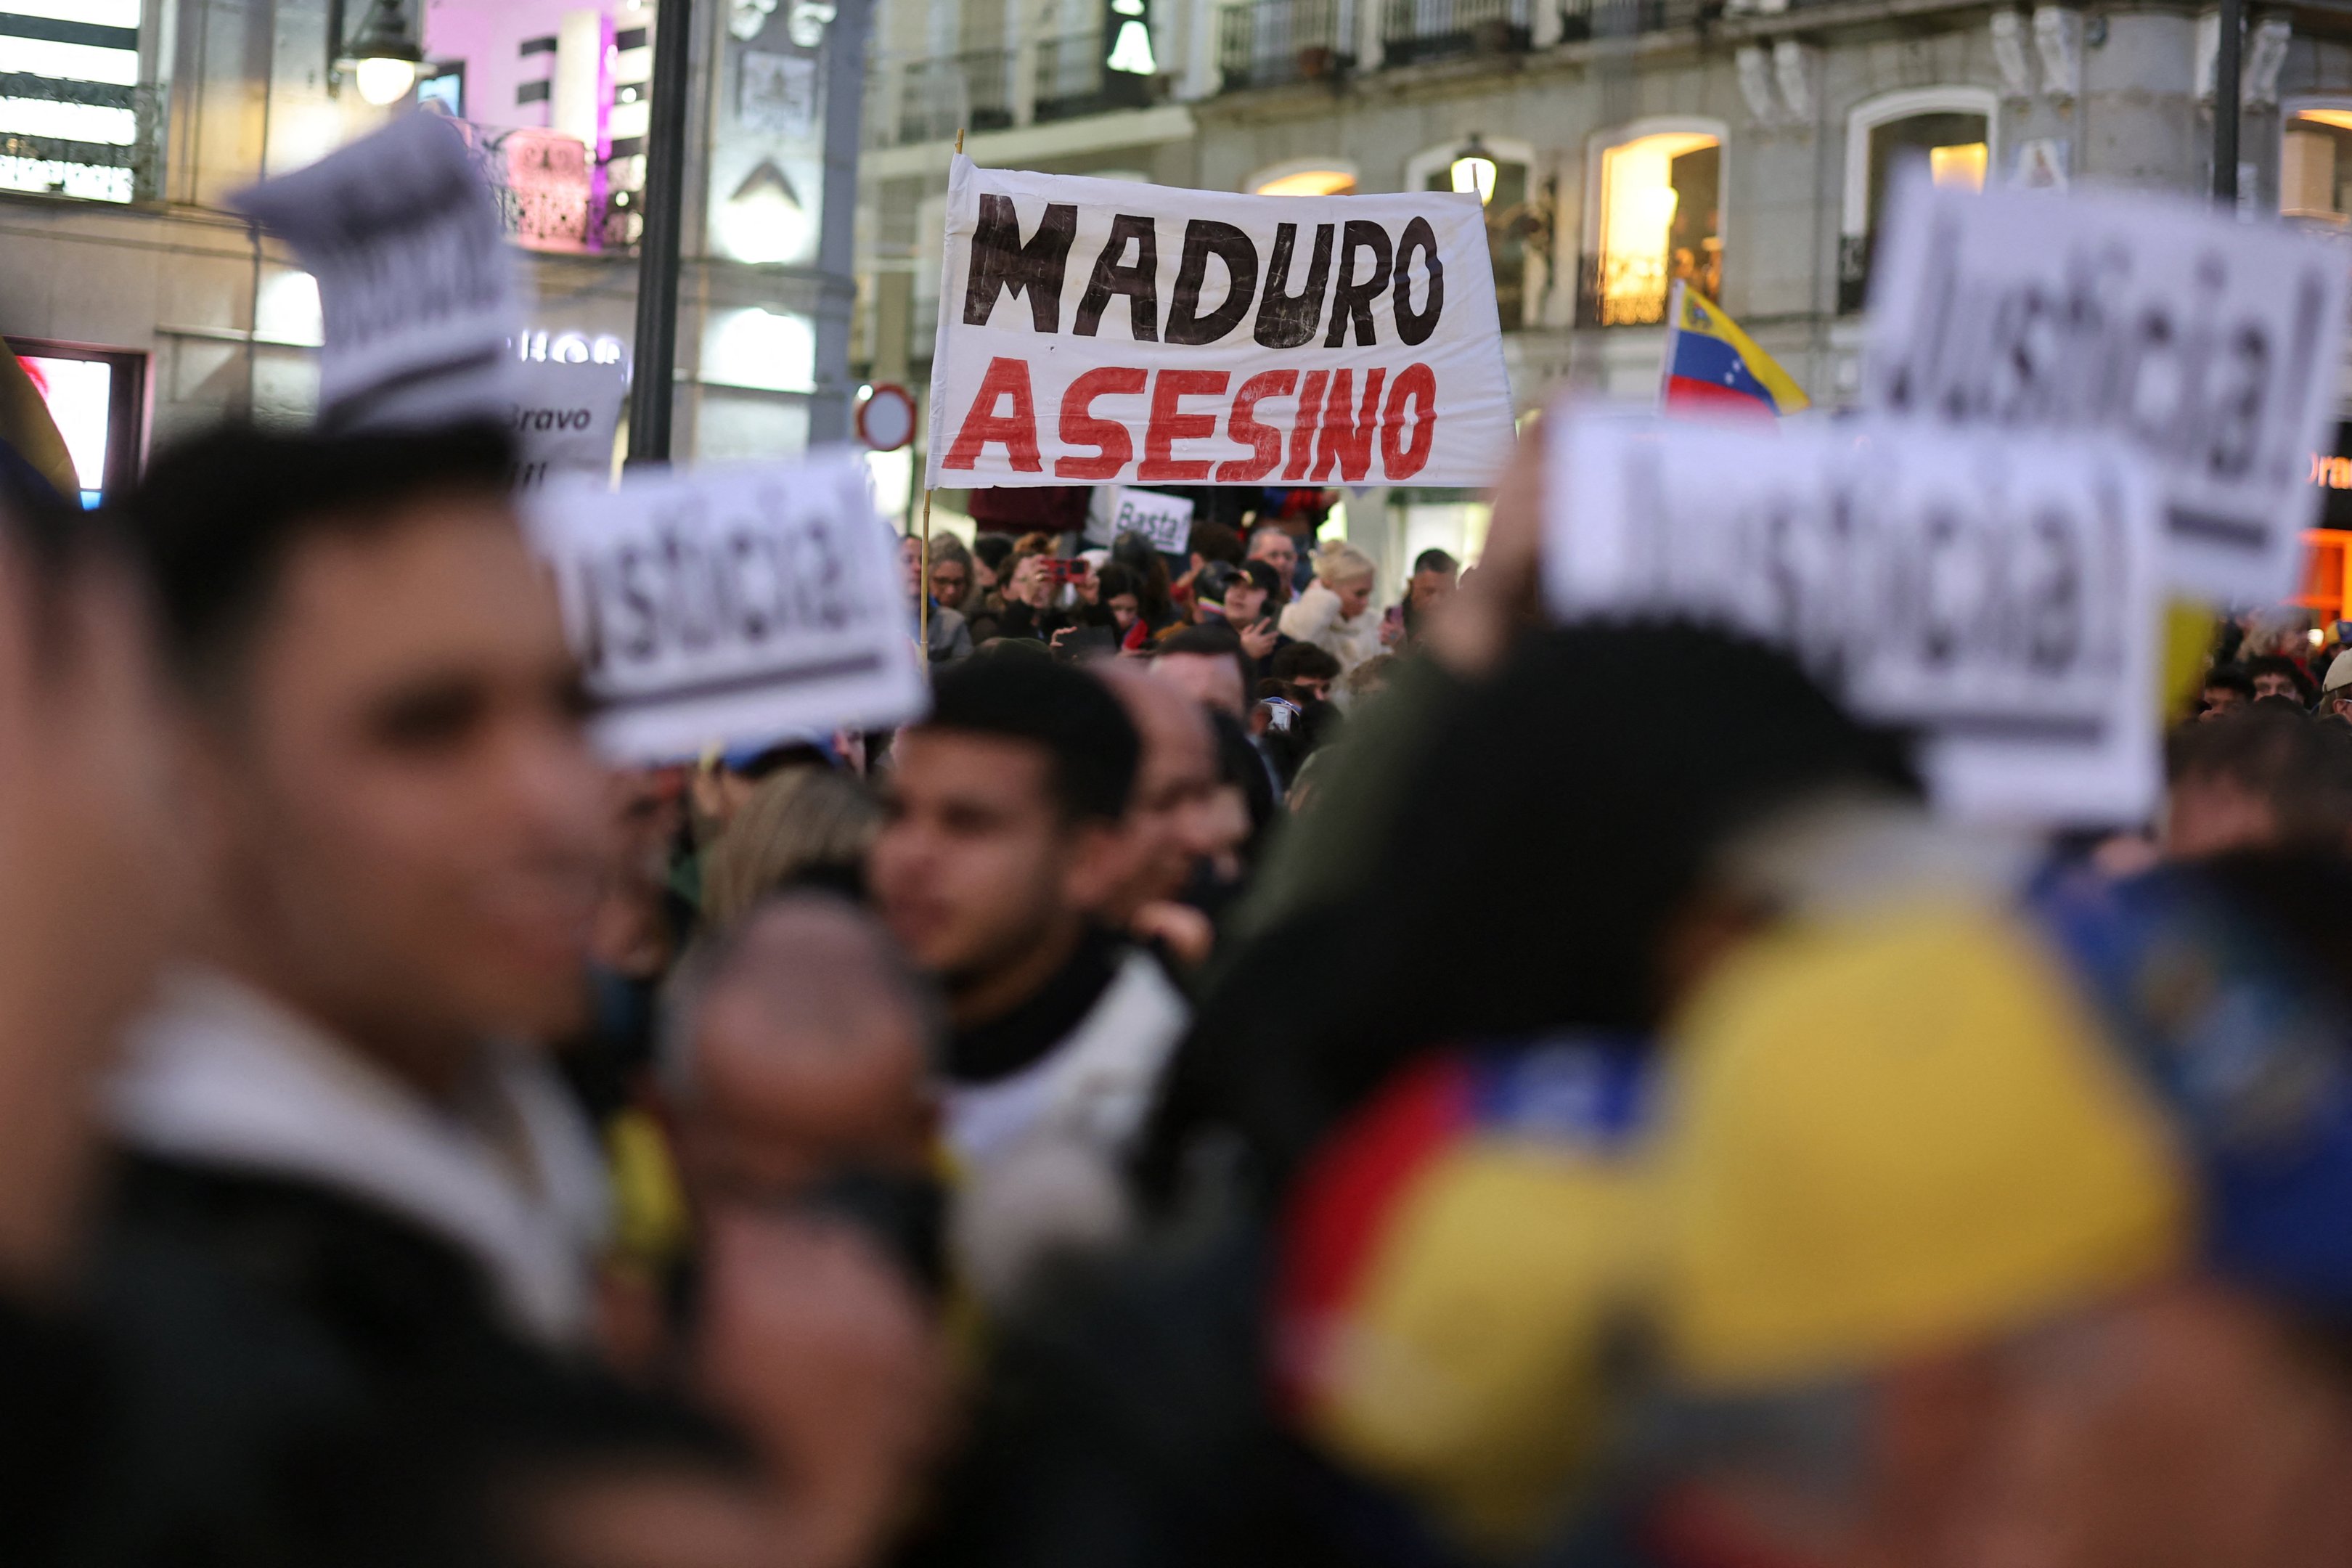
418 293
565 418
2214 347
1100 331
731 604
1166 521
1997 593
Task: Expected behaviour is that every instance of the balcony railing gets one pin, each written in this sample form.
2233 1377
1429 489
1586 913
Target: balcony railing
1582 19
108 147
1073 79
1416 30
971 91
1271 42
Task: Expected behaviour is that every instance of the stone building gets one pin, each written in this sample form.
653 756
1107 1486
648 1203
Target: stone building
149 307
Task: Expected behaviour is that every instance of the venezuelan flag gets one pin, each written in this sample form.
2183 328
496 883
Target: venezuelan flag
1713 367
1449 1266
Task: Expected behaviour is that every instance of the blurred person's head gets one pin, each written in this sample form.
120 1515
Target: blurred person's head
1237 596
1307 669
1169 823
1120 590
1135 551
796 1041
989 554
633 935
1347 571
952 571
910 566
95 875
1273 545
1211 542
2336 691
1900 1138
2255 779
2205 1417
2275 675
1246 806
1369 679
1004 834
810 825
404 825
2227 690
1435 575
1207 663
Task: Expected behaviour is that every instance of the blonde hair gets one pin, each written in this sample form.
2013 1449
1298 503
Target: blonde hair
1339 562
803 820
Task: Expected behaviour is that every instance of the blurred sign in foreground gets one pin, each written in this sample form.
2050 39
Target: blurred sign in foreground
729 606
2214 347
1996 593
1096 331
417 292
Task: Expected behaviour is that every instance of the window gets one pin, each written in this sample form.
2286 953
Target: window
1654 218
1948 131
1508 209
1309 177
2315 167
72 114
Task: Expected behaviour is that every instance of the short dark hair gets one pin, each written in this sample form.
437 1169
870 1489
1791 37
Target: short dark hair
1213 540
1091 744
2230 677
1114 580
991 549
1304 659
218 516
1434 561
1214 639
2279 664
2301 769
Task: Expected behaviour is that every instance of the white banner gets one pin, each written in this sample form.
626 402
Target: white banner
1998 594
730 606
565 415
2215 347
417 292
1094 332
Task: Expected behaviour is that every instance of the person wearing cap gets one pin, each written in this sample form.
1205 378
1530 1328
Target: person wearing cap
2335 690
1237 597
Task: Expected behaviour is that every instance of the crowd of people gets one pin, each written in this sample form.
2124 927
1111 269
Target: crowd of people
1255 1074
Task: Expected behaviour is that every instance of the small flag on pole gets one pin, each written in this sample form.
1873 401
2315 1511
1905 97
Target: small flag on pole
1713 367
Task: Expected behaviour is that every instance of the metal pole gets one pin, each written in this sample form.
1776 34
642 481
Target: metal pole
2225 106
654 373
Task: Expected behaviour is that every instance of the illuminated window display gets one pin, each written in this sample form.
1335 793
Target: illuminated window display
1660 223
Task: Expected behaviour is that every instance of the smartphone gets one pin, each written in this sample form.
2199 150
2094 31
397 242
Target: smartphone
1061 571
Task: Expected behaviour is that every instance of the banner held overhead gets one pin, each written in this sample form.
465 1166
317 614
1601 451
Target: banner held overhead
1097 332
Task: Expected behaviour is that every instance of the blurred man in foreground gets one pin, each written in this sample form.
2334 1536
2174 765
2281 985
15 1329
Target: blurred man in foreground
338 1106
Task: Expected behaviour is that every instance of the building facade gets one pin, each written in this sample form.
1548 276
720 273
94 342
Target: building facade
148 307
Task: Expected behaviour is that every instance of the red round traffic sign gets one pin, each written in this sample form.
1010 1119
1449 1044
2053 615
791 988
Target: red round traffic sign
885 420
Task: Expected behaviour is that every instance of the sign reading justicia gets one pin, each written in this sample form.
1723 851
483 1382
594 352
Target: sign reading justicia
1100 331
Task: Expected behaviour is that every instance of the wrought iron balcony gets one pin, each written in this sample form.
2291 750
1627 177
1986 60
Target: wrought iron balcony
970 92
1416 30
1271 42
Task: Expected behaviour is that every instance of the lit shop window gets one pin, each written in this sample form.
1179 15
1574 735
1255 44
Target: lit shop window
1660 223
70 103
2315 167
1945 130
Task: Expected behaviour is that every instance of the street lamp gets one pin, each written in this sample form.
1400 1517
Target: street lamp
383 57
1474 170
